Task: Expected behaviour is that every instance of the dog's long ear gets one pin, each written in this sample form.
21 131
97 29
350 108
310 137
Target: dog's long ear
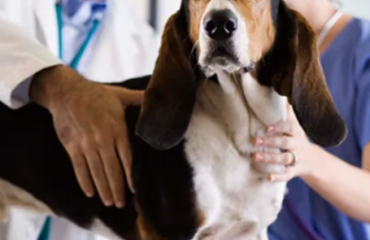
293 68
171 93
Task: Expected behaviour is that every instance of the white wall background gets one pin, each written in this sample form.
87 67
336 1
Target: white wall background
141 7
360 8
166 9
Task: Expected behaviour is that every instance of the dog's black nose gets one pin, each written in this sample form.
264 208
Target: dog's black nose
220 25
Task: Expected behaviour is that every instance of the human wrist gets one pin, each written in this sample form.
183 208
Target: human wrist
316 158
51 84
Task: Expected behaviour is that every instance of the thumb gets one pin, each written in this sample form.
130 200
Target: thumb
128 97
131 97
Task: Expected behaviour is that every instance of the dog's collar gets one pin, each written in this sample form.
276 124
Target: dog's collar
245 70
249 68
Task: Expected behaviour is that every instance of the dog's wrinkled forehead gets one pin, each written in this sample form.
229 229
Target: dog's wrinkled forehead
274 6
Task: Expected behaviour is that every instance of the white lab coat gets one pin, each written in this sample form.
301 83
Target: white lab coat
124 47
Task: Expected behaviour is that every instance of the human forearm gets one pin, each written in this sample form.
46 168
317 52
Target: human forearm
346 187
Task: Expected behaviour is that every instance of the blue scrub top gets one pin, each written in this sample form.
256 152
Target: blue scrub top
305 214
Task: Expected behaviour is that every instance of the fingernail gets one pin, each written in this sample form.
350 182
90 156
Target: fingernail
259 157
259 141
90 194
108 203
271 178
270 129
119 205
132 189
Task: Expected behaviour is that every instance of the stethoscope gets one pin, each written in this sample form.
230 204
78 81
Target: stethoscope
95 24
328 26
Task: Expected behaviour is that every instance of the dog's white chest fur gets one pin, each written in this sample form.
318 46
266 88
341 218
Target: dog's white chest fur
231 190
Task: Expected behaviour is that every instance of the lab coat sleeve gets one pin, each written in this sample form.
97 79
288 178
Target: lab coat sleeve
20 58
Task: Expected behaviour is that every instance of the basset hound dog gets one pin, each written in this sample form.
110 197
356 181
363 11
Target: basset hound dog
226 69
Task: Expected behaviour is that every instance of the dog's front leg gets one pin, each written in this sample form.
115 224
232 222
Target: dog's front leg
265 102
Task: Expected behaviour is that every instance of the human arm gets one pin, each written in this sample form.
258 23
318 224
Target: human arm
342 184
89 119
345 186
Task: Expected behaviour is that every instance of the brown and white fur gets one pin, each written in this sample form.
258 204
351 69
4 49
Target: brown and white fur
232 191
192 138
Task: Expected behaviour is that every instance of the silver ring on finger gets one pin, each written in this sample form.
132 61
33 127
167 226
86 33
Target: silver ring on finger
294 161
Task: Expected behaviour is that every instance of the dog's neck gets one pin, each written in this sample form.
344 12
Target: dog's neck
268 106
236 101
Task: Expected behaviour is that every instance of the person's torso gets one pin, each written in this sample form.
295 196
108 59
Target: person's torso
305 214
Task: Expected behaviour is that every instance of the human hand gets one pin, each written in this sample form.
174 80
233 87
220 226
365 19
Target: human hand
298 154
89 119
